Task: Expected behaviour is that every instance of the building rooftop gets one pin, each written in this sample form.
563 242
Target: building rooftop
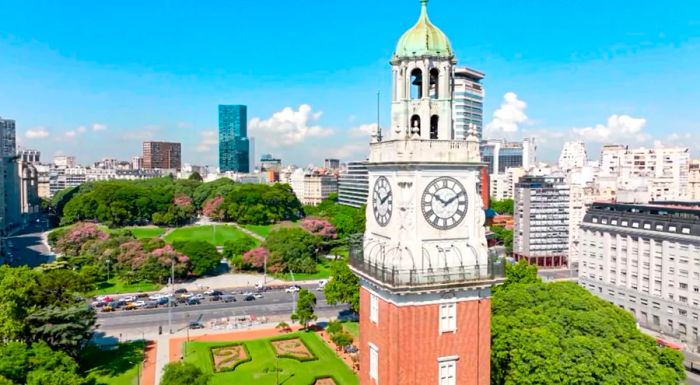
423 39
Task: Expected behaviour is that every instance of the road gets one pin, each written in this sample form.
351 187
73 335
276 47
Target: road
273 303
27 247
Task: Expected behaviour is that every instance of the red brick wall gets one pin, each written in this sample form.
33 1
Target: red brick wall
409 342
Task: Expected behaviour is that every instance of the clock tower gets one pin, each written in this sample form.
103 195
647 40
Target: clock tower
424 269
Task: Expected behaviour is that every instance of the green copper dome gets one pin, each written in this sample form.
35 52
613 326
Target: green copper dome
423 38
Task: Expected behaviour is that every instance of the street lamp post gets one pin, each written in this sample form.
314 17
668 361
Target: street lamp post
172 294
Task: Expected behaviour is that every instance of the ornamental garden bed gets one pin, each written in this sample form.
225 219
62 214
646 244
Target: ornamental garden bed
226 358
292 348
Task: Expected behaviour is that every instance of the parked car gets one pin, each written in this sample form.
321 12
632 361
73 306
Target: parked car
162 301
228 298
215 298
151 304
181 290
247 293
140 303
130 306
128 298
193 301
292 289
198 296
257 295
142 295
249 298
196 325
106 309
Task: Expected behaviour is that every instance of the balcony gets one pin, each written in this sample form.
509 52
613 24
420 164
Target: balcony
406 280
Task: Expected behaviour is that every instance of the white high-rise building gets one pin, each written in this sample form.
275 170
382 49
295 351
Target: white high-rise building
541 226
467 101
64 161
694 180
572 156
502 186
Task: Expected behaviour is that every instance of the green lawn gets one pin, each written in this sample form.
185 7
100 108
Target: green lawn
146 231
214 234
113 367
353 328
261 230
324 272
261 370
117 286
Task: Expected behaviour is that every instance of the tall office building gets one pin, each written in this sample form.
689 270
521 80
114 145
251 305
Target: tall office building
9 179
467 101
646 259
694 179
234 147
162 155
423 265
500 154
541 229
353 184
331 164
573 156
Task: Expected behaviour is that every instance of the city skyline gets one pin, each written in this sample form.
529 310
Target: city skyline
598 79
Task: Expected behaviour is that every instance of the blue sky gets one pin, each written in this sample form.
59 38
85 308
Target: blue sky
94 79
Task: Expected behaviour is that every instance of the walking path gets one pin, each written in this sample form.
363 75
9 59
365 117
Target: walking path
148 375
250 233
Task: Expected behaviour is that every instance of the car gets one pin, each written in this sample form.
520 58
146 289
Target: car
209 292
228 298
249 298
156 297
128 298
257 295
196 325
142 295
198 296
181 290
129 306
292 289
106 309
115 304
193 301
163 300
217 292
247 293
215 298
151 305
139 303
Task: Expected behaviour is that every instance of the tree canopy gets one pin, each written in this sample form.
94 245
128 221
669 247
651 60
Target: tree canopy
343 287
292 249
559 333
305 313
346 220
503 207
183 373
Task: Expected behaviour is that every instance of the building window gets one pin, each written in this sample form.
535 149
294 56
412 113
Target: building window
448 317
373 362
448 371
374 308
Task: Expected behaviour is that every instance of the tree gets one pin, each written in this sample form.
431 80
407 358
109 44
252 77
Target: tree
238 247
66 329
504 236
19 287
334 327
202 255
559 333
14 364
503 207
520 273
343 287
195 176
305 308
183 373
295 248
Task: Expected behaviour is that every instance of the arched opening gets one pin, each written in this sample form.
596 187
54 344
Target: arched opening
415 124
416 83
434 127
434 78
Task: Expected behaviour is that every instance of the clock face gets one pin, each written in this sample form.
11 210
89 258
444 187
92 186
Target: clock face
444 203
382 201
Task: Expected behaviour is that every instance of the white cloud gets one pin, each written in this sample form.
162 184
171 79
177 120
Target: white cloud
208 140
148 132
70 134
99 127
618 127
36 133
508 117
288 127
364 129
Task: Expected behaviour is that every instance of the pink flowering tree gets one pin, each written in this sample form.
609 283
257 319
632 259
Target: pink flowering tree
167 254
182 201
213 208
256 257
319 227
77 235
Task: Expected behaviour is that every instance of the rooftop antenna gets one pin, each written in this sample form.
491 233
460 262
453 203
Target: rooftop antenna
379 128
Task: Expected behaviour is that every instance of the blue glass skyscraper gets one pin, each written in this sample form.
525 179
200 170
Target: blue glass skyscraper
234 147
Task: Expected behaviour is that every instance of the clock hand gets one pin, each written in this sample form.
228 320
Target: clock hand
384 199
452 199
437 196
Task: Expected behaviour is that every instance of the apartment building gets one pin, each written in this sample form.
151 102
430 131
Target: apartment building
645 258
541 228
